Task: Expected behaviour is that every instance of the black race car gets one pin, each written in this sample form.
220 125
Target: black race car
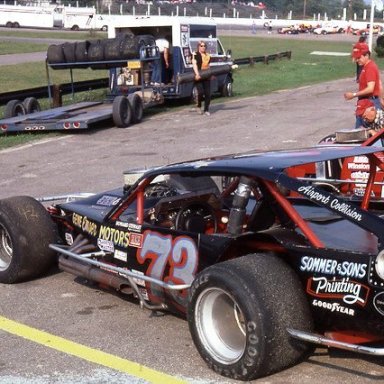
264 264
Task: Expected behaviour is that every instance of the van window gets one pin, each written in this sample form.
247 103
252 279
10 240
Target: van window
213 45
202 31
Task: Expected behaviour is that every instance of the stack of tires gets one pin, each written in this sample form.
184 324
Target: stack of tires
97 54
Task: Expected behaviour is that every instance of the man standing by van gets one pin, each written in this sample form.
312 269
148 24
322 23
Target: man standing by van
200 61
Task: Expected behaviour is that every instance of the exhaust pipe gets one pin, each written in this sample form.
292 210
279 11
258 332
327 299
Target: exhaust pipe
95 274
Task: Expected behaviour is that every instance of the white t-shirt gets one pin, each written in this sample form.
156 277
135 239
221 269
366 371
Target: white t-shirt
162 44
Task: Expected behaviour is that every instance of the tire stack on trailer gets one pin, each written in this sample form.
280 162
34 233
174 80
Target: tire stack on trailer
98 54
19 108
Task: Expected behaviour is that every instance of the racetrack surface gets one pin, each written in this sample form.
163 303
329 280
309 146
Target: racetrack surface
93 161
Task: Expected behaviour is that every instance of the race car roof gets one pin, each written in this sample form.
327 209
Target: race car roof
264 164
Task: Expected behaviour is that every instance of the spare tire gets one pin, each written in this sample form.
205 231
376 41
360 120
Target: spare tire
96 53
55 54
81 52
69 52
127 47
31 105
111 49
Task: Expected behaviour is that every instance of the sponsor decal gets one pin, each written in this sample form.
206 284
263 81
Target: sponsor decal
68 238
378 302
136 240
121 224
350 292
333 267
84 224
116 236
333 307
120 255
134 227
108 201
105 245
334 203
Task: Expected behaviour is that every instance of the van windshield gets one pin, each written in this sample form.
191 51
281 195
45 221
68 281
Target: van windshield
202 31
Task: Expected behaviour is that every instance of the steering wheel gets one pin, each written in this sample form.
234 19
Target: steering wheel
196 217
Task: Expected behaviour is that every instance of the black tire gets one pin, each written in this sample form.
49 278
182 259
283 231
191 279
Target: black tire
15 25
69 50
55 54
121 112
96 53
127 48
75 27
104 28
239 312
111 49
26 230
380 41
14 108
226 88
81 53
31 105
137 107
9 24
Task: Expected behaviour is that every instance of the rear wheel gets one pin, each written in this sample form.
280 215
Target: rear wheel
239 312
121 112
137 107
26 230
14 108
31 105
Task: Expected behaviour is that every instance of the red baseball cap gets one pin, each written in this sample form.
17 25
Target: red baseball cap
362 105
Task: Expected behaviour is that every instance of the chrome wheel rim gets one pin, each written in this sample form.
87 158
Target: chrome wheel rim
6 248
220 325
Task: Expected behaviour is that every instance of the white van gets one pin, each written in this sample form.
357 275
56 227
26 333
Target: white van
183 33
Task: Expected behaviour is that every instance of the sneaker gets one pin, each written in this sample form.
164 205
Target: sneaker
206 113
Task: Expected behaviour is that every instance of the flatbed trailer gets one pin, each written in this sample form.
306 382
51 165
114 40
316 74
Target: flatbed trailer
123 105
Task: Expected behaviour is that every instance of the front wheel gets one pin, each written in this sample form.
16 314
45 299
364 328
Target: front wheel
26 230
239 312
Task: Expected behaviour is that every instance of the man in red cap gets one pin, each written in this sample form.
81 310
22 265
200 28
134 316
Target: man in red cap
358 47
372 118
369 83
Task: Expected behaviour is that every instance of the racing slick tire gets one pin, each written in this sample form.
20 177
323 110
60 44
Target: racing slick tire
137 107
31 105
121 112
239 312
329 139
26 230
14 108
194 95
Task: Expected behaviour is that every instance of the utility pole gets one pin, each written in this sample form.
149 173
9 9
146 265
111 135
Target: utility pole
304 8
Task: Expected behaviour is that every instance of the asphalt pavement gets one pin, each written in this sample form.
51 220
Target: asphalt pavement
94 161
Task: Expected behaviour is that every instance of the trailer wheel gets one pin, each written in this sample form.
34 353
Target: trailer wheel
104 28
26 230
75 27
31 105
15 25
239 312
137 107
121 112
9 24
14 108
